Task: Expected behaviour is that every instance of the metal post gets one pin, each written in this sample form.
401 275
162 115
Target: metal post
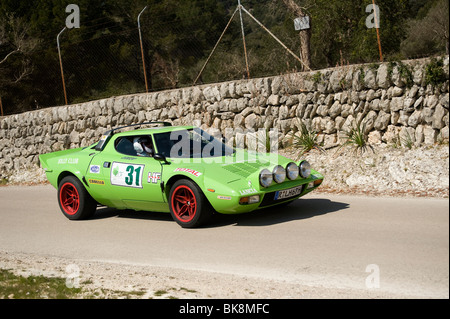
243 38
377 27
60 63
142 49
1 105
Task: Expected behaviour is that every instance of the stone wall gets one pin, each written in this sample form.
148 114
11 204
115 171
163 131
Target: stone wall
392 99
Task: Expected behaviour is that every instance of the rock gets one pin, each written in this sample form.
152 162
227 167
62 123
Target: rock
335 109
273 100
374 138
382 121
382 78
396 104
415 118
253 121
397 91
438 117
370 79
429 135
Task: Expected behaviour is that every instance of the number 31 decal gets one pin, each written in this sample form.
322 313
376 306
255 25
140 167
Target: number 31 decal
128 175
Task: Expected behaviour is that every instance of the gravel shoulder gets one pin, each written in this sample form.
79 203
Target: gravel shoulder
107 280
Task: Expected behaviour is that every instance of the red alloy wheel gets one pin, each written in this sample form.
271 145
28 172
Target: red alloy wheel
69 199
184 203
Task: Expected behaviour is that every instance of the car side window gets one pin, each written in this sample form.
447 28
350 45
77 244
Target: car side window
124 145
140 145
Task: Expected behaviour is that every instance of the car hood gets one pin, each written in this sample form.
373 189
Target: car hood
228 169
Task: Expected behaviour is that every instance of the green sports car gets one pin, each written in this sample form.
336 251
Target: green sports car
178 169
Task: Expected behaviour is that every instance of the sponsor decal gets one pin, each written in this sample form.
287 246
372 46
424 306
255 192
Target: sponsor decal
224 197
153 177
188 170
248 191
127 175
94 169
96 181
68 161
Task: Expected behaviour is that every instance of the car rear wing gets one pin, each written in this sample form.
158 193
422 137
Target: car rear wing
105 137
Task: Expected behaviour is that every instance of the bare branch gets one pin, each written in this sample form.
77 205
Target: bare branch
14 34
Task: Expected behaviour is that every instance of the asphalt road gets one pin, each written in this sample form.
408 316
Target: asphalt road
395 245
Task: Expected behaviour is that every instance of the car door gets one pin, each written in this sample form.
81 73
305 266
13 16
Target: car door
131 181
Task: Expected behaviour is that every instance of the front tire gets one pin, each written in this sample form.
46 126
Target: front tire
188 205
74 200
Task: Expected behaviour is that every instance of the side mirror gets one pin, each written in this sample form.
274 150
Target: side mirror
160 157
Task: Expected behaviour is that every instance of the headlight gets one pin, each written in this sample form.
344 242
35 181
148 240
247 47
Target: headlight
279 174
305 169
265 178
292 171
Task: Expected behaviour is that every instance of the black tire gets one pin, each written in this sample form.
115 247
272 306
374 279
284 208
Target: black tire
188 205
74 200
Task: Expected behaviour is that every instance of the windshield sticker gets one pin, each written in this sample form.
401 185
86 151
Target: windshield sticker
127 175
188 170
153 177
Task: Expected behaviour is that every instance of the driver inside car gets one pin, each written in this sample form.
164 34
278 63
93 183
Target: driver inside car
143 146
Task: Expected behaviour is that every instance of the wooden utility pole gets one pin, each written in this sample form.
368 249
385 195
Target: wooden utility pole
305 35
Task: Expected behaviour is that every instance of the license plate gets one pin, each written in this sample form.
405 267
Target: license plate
286 193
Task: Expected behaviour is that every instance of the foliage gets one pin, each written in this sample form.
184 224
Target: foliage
103 57
434 72
306 139
356 137
428 33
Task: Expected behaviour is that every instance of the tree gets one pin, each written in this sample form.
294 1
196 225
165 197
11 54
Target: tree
429 34
16 46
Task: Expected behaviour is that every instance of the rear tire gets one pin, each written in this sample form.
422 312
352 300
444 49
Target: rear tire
74 200
188 205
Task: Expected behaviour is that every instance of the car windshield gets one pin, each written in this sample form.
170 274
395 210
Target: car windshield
191 143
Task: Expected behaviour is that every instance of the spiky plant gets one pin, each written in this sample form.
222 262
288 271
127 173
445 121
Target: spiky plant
306 140
357 137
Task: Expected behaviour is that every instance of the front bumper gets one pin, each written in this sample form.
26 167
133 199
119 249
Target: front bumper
270 196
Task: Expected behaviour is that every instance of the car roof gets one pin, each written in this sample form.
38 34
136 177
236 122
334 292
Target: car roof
154 130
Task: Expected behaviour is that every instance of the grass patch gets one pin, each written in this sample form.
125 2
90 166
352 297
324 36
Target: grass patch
34 287
40 287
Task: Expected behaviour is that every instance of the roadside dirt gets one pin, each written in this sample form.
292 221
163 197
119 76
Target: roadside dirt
105 280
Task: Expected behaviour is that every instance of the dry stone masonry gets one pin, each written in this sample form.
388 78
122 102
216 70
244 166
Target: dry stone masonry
393 100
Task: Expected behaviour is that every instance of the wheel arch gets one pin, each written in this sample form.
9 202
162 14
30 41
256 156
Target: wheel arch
172 180
68 173
64 174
